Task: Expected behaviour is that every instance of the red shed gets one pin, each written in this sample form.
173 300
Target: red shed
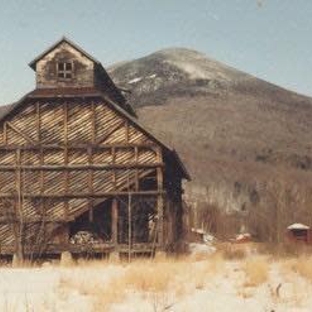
299 232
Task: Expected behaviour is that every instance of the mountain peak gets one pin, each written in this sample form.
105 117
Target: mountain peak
174 71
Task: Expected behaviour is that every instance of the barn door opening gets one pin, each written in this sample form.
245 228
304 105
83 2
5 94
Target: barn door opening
142 220
98 230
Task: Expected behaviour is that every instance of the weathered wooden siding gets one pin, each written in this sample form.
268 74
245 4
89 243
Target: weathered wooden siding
46 68
61 153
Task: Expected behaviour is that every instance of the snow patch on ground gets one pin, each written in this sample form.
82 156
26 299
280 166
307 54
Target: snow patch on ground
223 290
196 248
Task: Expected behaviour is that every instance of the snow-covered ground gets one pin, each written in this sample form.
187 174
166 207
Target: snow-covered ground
205 283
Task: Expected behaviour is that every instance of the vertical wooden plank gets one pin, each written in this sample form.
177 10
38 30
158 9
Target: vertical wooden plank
19 202
114 178
65 112
41 160
127 130
93 121
91 208
90 183
38 121
113 150
136 160
114 221
129 227
65 174
160 199
90 170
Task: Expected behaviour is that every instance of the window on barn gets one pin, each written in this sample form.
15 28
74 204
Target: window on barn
65 70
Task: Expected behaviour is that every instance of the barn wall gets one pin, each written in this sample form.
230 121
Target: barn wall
46 68
62 154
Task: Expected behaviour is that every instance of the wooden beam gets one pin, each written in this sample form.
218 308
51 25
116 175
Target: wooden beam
91 214
160 199
114 221
84 195
21 133
66 173
127 130
65 109
90 170
93 130
38 125
60 146
83 167
78 249
90 184
137 177
4 220
41 181
105 137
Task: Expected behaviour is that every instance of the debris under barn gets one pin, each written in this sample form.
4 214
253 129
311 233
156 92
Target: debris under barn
78 173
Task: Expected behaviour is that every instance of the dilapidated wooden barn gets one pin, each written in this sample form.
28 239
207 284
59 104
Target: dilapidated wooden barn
74 159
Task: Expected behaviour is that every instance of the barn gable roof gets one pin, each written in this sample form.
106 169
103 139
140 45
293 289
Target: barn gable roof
92 92
33 63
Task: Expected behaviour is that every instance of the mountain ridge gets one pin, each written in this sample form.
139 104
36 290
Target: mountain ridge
229 127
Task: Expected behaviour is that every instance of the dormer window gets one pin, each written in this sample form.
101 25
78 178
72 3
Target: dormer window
65 70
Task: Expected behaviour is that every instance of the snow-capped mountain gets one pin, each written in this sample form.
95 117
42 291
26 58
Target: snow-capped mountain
233 131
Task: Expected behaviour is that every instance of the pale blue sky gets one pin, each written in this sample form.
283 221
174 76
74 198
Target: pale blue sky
272 41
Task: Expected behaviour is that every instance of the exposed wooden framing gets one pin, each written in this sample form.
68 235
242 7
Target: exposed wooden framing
90 184
76 146
129 226
21 133
82 167
38 121
91 212
136 160
41 182
66 182
41 171
103 247
93 131
65 109
66 175
34 220
115 221
160 200
114 129
84 195
19 209
113 151
69 176
127 131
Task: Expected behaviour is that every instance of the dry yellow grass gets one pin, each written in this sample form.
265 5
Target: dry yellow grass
88 282
256 270
232 251
150 277
301 265
155 280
